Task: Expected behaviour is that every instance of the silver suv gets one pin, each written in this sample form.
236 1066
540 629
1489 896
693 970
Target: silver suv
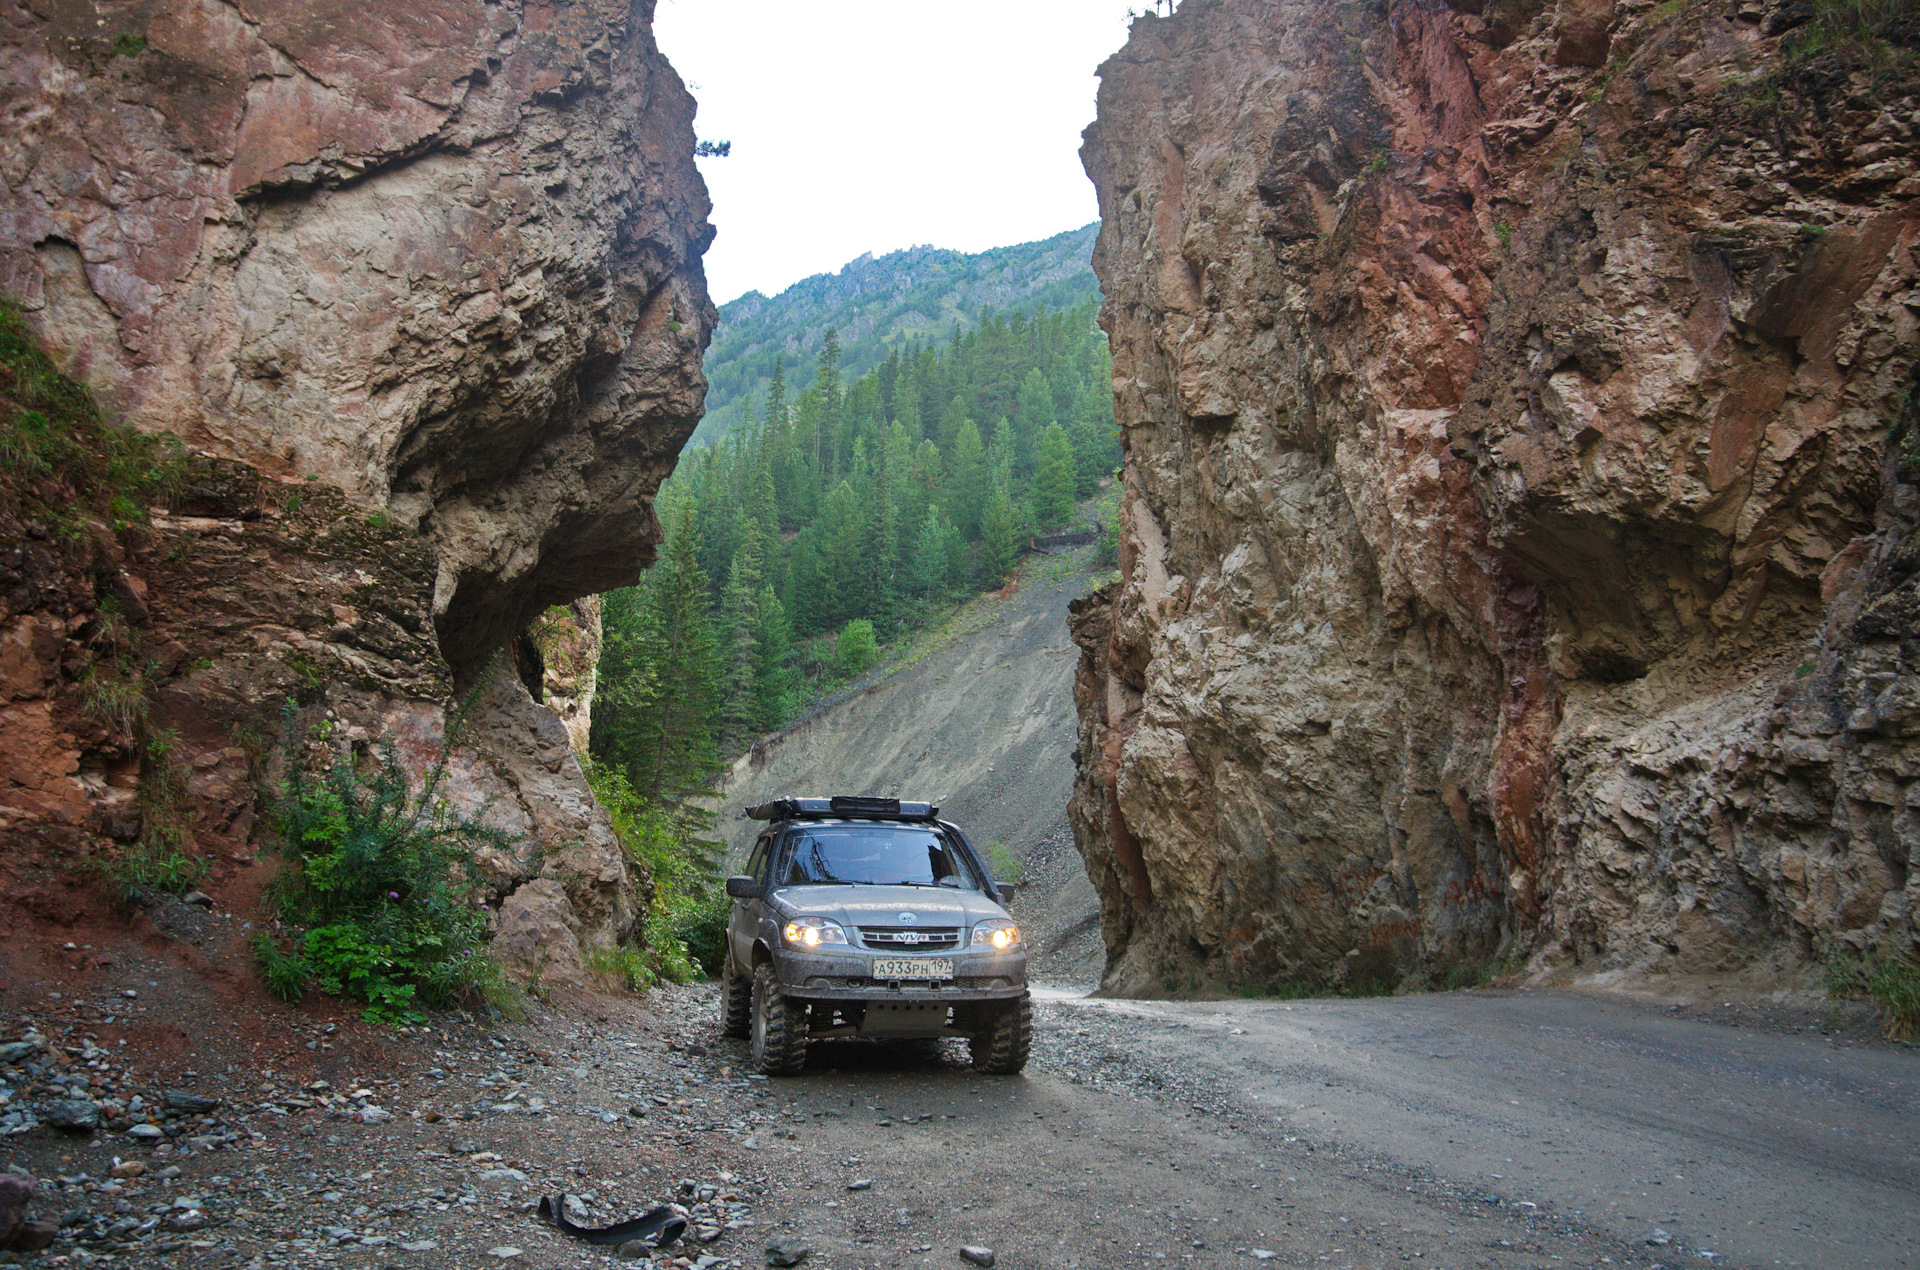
871 917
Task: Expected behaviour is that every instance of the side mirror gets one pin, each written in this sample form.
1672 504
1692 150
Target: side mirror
744 888
1006 891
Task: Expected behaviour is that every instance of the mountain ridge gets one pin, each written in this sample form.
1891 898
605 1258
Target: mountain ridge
879 303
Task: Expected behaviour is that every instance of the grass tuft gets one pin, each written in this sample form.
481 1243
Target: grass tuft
1892 982
58 448
1879 33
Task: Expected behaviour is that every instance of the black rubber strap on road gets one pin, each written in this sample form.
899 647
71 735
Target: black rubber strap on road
658 1226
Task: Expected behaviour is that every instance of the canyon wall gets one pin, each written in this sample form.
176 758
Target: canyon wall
419 286
1518 553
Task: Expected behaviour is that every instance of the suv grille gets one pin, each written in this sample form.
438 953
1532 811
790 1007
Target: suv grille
910 938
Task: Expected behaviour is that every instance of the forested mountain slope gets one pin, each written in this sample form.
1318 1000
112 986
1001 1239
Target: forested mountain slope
879 304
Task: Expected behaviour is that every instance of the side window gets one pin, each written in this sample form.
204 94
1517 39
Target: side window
757 861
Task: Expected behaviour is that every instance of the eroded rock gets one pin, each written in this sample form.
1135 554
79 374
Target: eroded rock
422 290
1514 557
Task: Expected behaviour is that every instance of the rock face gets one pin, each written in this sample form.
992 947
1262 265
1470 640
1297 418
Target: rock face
421 286
1518 551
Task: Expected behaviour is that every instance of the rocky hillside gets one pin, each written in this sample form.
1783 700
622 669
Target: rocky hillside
419 286
877 305
1519 553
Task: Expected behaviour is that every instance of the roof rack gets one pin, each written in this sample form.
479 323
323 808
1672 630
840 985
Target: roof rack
853 806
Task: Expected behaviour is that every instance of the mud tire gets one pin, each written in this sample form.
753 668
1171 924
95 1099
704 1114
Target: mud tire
779 1027
736 1003
1002 1037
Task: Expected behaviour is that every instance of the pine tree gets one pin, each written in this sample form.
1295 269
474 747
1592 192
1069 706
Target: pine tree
739 650
1033 416
929 572
1002 458
1053 479
968 480
773 639
657 714
1096 449
997 544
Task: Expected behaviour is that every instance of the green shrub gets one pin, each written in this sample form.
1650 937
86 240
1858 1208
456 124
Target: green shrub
379 872
1005 864
857 648
686 931
700 925
671 960
146 868
623 965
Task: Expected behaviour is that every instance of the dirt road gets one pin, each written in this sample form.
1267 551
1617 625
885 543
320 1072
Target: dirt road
1464 1129
1472 1129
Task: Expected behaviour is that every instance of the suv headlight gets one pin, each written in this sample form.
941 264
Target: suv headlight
811 932
999 934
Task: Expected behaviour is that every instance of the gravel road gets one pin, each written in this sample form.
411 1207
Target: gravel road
1484 1129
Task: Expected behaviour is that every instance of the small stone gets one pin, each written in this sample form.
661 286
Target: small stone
503 1175
75 1115
194 1219
191 1104
860 1184
15 1193
466 1146
1659 1238
786 1250
420 1245
128 1168
199 899
977 1255
14 1051
506 1252
1262 1254
32 1236
634 1250
147 1132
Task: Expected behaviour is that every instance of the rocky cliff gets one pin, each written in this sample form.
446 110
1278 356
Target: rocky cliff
420 287
1518 546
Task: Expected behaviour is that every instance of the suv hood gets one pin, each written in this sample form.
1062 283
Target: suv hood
885 905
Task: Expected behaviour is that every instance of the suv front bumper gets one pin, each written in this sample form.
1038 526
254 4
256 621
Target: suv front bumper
846 976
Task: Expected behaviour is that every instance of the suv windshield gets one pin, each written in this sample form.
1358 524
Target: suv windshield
872 854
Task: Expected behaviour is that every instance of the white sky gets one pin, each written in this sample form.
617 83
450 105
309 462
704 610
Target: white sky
872 125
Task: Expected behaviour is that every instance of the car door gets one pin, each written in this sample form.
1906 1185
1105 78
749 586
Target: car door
745 919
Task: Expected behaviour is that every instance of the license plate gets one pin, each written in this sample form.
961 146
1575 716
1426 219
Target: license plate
913 968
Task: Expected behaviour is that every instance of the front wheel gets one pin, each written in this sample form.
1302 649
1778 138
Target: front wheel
779 1027
1002 1037
736 1002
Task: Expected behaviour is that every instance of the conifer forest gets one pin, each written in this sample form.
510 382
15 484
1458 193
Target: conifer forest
837 518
